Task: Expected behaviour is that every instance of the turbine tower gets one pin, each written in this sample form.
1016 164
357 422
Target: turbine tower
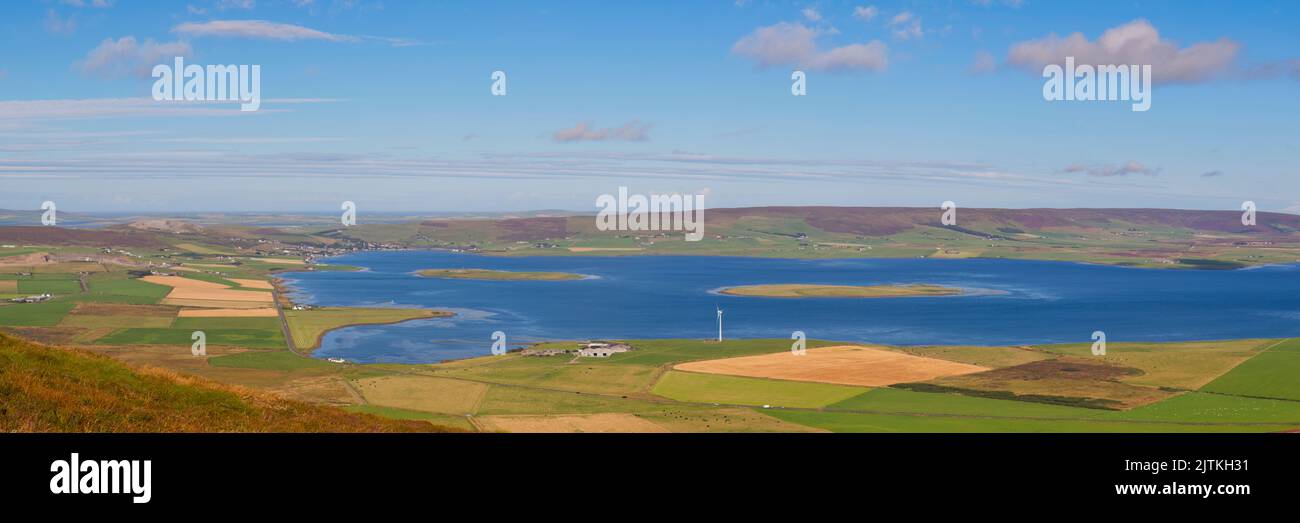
719 323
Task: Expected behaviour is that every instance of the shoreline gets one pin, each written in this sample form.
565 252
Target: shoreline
614 254
828 291
308 351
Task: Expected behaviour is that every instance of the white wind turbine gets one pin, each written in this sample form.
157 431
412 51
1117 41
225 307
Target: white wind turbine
719 323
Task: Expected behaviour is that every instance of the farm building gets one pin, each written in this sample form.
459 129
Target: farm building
602 349
32 299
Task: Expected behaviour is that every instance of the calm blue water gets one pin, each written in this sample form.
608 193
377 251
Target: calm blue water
1011 302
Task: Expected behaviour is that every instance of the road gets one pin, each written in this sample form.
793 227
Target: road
284 322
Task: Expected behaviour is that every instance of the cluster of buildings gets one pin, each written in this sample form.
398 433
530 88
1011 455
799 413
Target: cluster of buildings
595 349
32 299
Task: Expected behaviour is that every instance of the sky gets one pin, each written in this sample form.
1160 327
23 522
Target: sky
390 104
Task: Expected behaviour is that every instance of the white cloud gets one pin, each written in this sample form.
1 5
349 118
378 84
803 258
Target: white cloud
633 131
1134 43
866 14
812 14
257 29
906 25
795 44
126 56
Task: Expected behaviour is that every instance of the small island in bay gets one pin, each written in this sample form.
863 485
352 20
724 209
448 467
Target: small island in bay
803 290
495 275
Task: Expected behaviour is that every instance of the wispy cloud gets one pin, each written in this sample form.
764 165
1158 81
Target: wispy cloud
236 4
795 44
266 30
101 4
1135 43
126 56
983 63
257 29
57 24
866 14
62 109
1106 171
906 25
633 131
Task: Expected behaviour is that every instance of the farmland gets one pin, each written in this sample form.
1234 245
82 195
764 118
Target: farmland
140 306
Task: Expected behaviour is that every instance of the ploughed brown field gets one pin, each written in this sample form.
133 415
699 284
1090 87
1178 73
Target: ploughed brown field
842 365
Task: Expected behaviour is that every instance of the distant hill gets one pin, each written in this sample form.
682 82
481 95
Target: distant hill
45 389
1129 237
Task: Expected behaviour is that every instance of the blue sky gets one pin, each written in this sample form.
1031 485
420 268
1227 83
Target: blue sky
388 104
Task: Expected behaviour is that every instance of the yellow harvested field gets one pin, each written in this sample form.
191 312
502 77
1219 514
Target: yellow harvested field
609 422
266 312
843 365
216 304
187 289
252 284
8 285
284 261
424 394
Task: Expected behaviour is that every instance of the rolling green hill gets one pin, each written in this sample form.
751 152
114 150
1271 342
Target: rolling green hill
45 389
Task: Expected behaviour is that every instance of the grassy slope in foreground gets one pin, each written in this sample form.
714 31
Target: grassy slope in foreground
801 290
44 389
495 275
309 326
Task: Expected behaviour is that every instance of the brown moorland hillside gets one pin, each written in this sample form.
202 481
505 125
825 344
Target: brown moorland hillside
47 389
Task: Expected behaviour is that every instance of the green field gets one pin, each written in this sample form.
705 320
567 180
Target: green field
308 326
734 390
253 338
45 314
1274 373
270 324
132 290
278 360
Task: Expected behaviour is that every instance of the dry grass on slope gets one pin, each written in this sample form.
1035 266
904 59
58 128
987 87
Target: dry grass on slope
47 389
